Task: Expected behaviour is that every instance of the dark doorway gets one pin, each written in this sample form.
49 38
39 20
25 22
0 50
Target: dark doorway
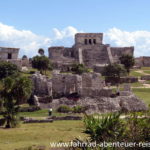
90 41
94 41
85 41
9 56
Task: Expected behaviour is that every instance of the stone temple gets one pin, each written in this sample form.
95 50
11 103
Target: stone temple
11 55
88 50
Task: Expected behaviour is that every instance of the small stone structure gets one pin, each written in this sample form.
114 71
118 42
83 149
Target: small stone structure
88 50
11 55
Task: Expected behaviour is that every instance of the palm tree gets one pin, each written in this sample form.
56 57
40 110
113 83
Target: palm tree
13 91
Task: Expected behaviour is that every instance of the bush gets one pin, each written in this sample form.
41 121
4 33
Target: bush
79 68
64 109
32 72
78 109
7 69
2 122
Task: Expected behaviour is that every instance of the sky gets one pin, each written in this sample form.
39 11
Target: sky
33 24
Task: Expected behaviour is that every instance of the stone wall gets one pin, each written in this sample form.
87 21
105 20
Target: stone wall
117 52
146 77
89 38
142 61
66 84
89 84
42 85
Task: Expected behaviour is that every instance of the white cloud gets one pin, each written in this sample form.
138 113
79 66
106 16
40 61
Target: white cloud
139 39
26 40
29 42
64 37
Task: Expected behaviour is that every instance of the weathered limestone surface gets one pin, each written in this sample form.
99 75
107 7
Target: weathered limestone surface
42 85
143 61
91 88
104 104
88 84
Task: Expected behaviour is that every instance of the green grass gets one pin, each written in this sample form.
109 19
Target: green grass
145 68
43 113
137 84
135 74
40 134
147 71
143 93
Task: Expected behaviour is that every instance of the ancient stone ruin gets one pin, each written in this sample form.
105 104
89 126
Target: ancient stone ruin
88 50
87 90
11 55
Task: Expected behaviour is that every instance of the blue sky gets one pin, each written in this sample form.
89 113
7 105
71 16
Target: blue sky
30 24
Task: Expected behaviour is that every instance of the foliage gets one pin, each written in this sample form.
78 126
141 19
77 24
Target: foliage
114 70
78 109
7 69
128 62
79 69
133 129
42 63
14 91
108 128
138 127
64 109
9 103
41 51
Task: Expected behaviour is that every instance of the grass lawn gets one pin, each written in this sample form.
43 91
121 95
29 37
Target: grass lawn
44 113
145 68
136 84
147 71
133 73
40 134
143 93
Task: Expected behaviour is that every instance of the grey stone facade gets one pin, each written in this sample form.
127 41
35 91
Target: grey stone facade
143 61
88 50
11 55
88 84
8 53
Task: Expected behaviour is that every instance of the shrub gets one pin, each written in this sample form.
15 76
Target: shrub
32 72
108 128
7 69
79 68
2 122
64 109
78 109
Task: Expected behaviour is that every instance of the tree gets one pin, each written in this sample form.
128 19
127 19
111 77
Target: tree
115 71
7 69
13 90
128 62
42 63
22 89
41 51
79 68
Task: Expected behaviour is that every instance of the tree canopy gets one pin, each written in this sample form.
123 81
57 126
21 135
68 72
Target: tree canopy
12 93
42 63
79 68
128 62
114 70
7 69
